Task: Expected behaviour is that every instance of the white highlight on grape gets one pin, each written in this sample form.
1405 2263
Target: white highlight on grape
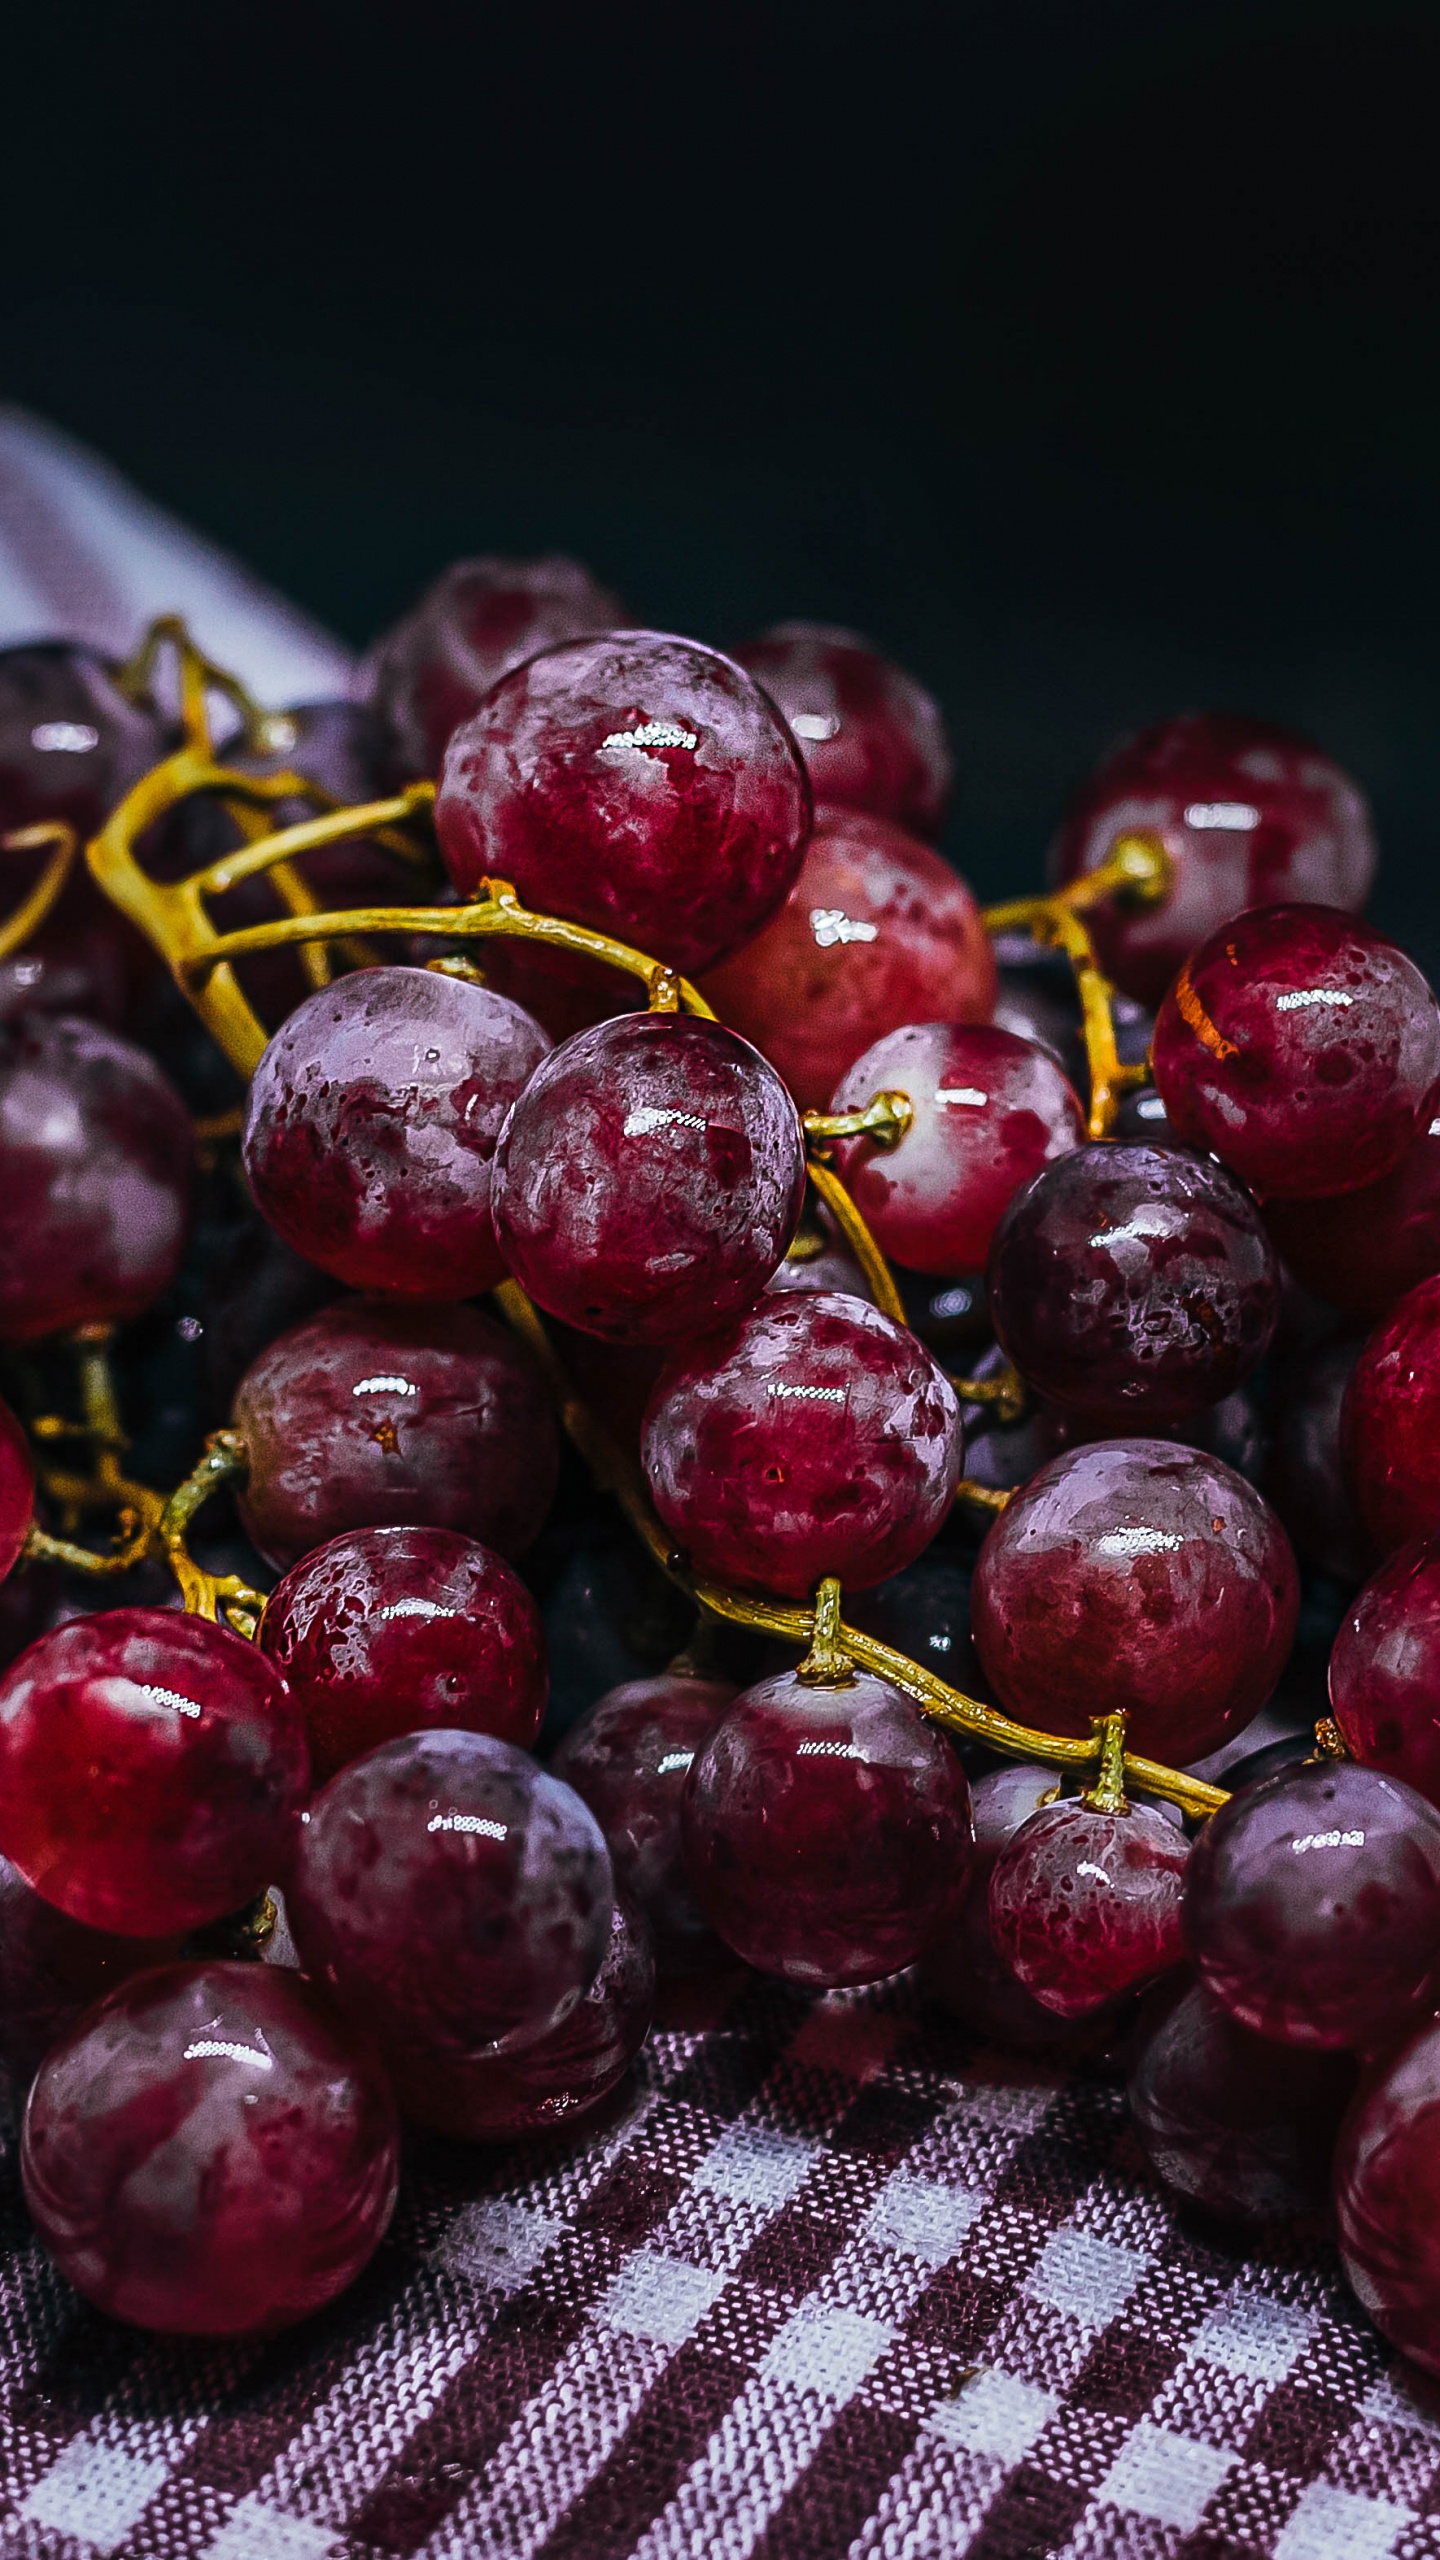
827 1750
1087 1867
1221 813
384 1386
171 1698
415 1608
672 1761
970 1093
478 1822
204 2046
654 1115
1139 1541
808 1395
64 738
1328 1840
831 925
817 726
1312 995
653 733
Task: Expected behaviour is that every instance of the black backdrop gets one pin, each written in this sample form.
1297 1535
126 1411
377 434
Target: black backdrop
1084 354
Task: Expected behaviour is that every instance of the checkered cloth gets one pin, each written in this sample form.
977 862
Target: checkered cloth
834 2280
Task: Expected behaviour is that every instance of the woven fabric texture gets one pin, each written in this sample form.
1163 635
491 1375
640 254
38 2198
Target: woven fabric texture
833 2280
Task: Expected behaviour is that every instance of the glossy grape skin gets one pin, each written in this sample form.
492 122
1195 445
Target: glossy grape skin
876 931
152 1770
96 1156
1390 1422
629 1758
649 1179
1363 1249
371 1416
451 1897
561 2077
961 1968
371 1125
1305 832
872 738
1387 2198
1301 1047
71 746
480 618
924 1611
639 784
388 1631
1312 1906
1085 1905
827 1831
1133 1284
812 1437
1304 1477
989 1112
1385 1669
1136 1577
209 2153
52 1968
17 1489
1228 2121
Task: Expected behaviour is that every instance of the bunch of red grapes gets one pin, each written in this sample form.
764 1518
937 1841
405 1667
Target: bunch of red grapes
498 1785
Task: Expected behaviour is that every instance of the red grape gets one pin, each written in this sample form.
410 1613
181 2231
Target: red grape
1304 1477
1230 2122
1385 1669
1085 1905
1301 1047
561 2076
1312 1906
638 784
872 738
876 931
480 619
387 1631
1363 1249
209 2152
371 1125
71 746
1133 1284
1390 1422
649 1178
1137 1577
371 1416
629 1757
1387 2198
152 1770
453 1898
17 1489
827 1831
53 1967
96 1150
1248 813
812 1437
960 1967
989 1112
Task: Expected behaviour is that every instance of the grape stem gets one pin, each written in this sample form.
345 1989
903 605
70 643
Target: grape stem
885 1119
221 1596
1108 1793
827 1665
106 1487
35 906
1004 1389
1139 869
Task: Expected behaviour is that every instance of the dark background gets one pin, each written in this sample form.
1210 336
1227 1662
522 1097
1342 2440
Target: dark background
1083 351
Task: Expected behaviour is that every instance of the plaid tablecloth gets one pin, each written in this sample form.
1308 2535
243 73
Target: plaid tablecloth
835 2279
